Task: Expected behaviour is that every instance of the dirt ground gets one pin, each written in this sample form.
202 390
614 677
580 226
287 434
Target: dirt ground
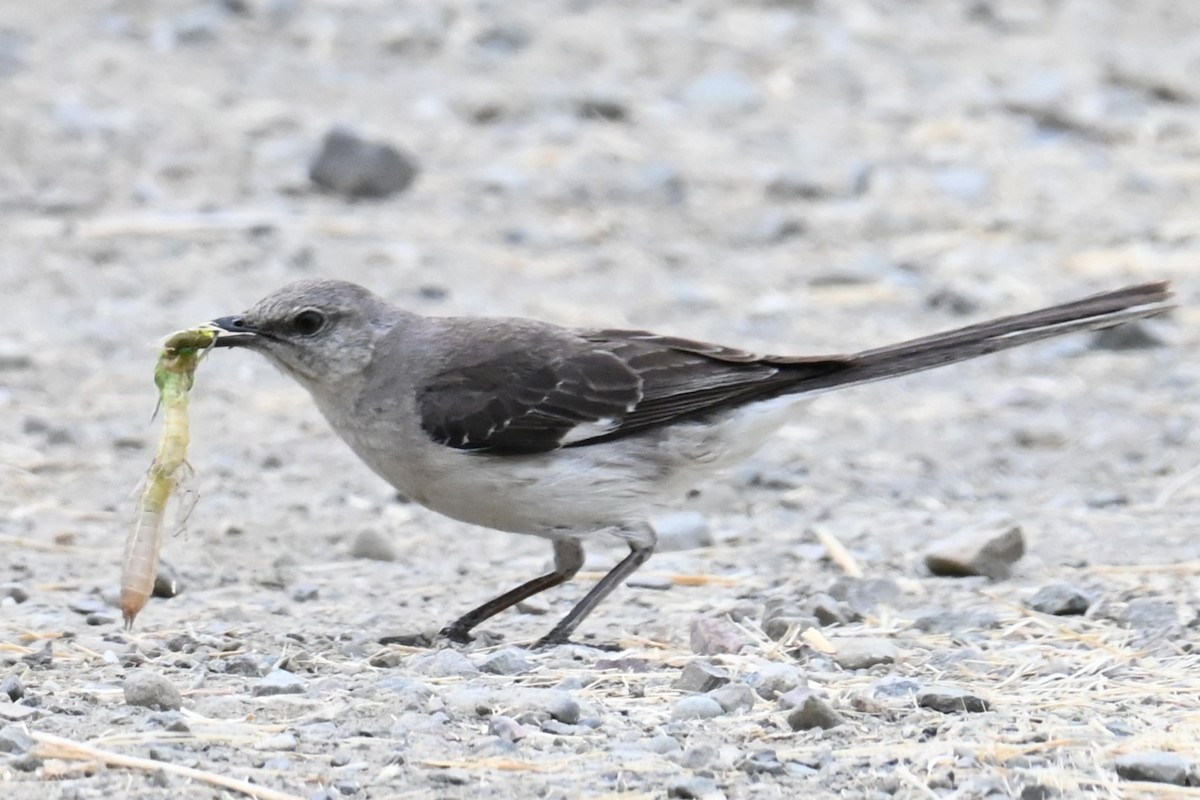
803 176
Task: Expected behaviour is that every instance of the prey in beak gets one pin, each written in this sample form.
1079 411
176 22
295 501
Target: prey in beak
231 332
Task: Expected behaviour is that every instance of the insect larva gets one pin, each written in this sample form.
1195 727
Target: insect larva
174 374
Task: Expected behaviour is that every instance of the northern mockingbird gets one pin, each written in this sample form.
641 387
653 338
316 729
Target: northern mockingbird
565 433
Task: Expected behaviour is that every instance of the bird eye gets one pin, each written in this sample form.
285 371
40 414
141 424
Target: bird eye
308 322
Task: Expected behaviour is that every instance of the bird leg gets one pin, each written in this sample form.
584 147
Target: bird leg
568 558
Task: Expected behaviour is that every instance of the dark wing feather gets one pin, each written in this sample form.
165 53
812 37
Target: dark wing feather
615 384
515 404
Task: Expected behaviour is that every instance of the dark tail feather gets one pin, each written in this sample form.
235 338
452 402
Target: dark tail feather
1091 313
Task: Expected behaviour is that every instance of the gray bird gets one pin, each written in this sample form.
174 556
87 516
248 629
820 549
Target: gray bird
565 433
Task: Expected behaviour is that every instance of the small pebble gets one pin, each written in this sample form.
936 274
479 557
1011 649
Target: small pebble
990 552
661 744
276 682
445 664
451 777
716 635
1061 599
88 605
700 676
1155 766
1137 335
12 687
14 591
951 700
814 712
13 739
864 653
697 706
280 742
773 679
696 787
506 728
373 545
166 582
509 661
149 690
734 697
305 592
829 611
354 167
1150 614
894 686
956 622
764 762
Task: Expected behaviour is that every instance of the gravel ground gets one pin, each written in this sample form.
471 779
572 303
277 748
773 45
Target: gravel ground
783 176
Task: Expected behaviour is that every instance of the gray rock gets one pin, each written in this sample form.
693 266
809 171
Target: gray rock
504 38
695 787
1138 335
1038 791
697 706
166 582
774 679
866 595
14 740
509 661
11 712
951 700
734 697
661 744
814 712
956 622
657 583
1061 599
894 686
715 635
280 742
772 227
88 605
444 664
722 91
864 653
276 682
829 611
764 762
506 728
533 705
354 167
12 687
682 530
562 707
700 676
13 358
778 627
373 545
149 690
990 552
15 591
1156 767
305 592
1150 614
608 109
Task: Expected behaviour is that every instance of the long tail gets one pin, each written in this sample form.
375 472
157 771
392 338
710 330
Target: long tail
1090 313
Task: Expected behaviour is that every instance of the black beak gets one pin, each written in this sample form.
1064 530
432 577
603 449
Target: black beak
232 332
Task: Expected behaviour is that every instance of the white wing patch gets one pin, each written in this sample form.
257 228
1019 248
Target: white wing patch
590 430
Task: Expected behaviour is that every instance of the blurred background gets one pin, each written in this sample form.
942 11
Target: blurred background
799 176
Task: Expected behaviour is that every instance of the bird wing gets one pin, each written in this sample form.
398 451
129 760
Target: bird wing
607 384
